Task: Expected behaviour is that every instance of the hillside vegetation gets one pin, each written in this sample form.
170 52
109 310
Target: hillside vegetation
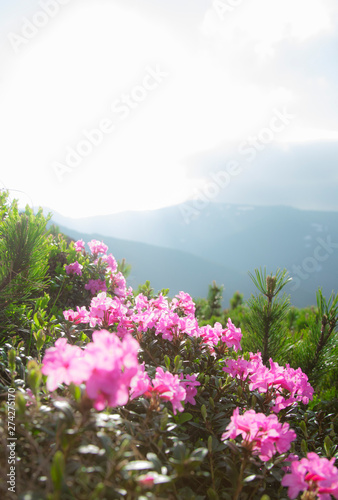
109 392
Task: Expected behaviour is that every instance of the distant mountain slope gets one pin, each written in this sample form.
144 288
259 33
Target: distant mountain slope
167 268
239 238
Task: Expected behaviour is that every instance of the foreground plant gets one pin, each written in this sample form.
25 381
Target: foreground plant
132 398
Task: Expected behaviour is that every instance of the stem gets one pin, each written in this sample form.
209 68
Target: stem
240 480
265 355
60 289
212 471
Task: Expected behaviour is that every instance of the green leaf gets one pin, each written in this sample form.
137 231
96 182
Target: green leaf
250 478
167 362
328 444
303 446
184 417
57 470
212 494
138 465
302 425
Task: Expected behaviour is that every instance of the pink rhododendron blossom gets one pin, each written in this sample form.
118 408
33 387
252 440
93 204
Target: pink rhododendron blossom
69 315
79 245
167 325
238 368
118 285
314 474
74 268
95 286
183 302
99 308
276 379
190 383
140 383
210 337
261 434
232 336
113 364
169 388
111 263
81 315
189 325
160 303
97 247
64 363
141 302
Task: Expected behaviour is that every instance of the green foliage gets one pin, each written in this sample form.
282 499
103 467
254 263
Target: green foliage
265 321
315 349
212 306
67 450
24 263
236 300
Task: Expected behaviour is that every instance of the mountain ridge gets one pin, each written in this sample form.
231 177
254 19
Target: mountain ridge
234 238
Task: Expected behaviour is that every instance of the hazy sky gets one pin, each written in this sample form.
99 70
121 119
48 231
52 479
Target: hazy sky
112 105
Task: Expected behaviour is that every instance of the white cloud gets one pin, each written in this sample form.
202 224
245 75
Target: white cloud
68 76
265 23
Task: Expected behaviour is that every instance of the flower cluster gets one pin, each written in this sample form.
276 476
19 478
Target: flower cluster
107 381
169 388
286 384
74 268
313 474
184 303
79 245
96 286
262 435
230 336
97 247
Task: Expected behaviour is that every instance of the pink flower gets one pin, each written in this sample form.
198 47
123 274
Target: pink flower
189 383
189 325
97 247
79 245
261 434
99 308
278 380
69 315
210 337
167 325
314 474
113 364
183 302
64 363
160 303
240 368
232 336
169 388
74 268
140 383
118 285
81 315
111 263
95 286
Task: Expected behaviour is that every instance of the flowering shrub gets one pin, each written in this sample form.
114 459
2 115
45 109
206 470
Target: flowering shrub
129 397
